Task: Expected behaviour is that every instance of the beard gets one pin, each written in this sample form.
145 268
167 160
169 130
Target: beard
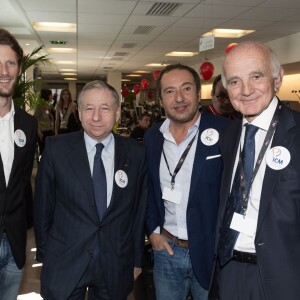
8 90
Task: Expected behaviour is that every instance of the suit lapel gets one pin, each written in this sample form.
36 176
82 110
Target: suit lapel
201 153
79 162
282 137
17 150
122 162
156 149
229 151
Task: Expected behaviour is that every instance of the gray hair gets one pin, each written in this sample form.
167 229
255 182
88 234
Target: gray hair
100 85
268 52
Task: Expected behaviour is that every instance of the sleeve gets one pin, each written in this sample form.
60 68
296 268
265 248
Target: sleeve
44 201
141 201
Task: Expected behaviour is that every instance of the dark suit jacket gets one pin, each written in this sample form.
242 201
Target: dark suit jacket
15 198
202 209
67 224
277 239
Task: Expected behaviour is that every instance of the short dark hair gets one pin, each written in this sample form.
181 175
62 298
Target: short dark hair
45 93
8 39
170 68
141 116
217 79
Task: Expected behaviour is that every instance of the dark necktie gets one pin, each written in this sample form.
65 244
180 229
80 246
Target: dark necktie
229 236
99 182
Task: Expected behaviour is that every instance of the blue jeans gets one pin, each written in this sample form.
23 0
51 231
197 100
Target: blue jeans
174 276
10 275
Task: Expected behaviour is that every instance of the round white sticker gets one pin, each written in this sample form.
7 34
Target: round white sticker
209 137
278 158
20 138
121 178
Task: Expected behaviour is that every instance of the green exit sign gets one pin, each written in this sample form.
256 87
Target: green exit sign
58 42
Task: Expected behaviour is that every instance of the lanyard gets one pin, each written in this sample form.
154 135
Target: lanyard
270 132
181 161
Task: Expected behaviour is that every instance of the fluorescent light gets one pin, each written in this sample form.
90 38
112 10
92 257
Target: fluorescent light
70 78
228 33
54 26
141 72
65 62
68 74
134 75
62 50
156 65
181 53
33 249
125 80
37 265
68 70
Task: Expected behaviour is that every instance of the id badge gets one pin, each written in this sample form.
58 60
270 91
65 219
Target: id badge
243 224
171 196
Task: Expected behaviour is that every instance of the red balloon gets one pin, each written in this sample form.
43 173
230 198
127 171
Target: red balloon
206 70
230 46
150 95
124 91
136 88
144 83
156 74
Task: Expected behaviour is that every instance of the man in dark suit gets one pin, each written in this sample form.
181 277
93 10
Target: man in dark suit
184 165
258 227
81 244
18 135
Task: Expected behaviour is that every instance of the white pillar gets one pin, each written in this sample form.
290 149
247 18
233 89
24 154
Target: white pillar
114 78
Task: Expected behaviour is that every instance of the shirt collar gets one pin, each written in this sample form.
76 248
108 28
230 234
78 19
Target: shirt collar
91 143
164 129
10 114
263 120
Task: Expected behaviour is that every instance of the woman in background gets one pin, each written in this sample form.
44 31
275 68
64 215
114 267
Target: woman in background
66 114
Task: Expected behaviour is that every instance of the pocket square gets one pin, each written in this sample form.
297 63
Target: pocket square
213 156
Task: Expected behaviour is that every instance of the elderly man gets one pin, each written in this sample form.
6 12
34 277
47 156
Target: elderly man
90 203
258 230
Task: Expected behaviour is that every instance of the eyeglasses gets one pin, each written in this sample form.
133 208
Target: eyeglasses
222 97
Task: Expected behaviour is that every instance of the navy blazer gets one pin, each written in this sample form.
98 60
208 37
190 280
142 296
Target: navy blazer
202 209
16 197
277 239
67 225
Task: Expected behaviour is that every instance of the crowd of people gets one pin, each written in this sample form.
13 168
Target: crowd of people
216 191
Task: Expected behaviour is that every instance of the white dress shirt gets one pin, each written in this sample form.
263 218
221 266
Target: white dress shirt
7 148
244 242
108 157
175 214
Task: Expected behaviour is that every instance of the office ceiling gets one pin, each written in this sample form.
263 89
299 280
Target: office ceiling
125 35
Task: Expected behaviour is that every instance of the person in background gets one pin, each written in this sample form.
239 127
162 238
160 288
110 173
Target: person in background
66 114
184 167
143 124
45 114
18 135
258 234
90 205
221 105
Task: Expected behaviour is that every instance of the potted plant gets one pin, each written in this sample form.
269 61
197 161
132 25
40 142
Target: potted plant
25 92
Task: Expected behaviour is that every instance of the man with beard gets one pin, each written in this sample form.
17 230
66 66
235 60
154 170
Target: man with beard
184 165
18 136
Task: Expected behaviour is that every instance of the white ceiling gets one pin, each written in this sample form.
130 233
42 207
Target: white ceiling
122 30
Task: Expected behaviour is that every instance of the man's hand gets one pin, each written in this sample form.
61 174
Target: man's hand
136 273
158 242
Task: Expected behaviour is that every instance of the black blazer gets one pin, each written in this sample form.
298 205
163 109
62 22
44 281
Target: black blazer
277 239
202 209
15 198
67 225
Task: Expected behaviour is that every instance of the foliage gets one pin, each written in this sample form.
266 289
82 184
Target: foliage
24 92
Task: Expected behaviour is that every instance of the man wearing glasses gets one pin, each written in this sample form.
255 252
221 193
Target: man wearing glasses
221 105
